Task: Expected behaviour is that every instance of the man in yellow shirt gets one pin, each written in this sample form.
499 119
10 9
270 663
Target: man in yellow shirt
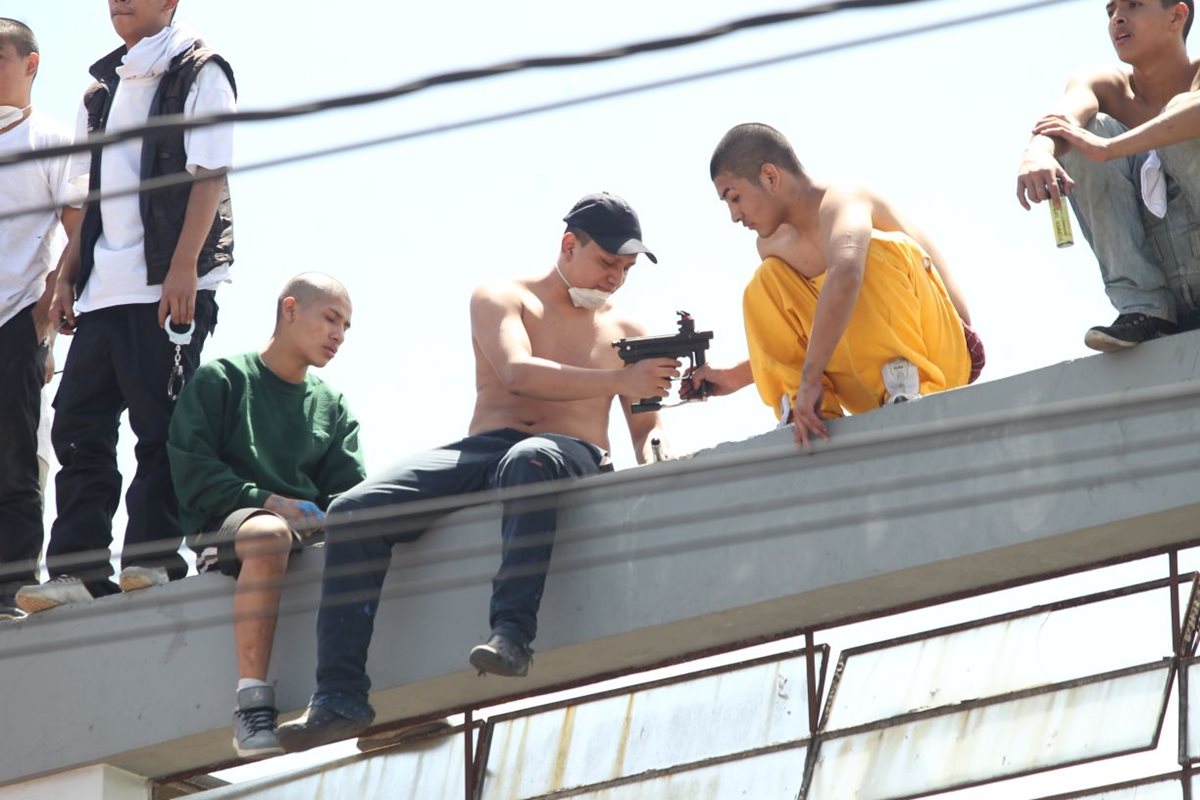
847 310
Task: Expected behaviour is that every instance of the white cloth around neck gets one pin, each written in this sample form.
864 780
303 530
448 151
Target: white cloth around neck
151 56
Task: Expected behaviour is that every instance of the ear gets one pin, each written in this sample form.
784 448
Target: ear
769 177
569 244
1180 15
32 62
289 309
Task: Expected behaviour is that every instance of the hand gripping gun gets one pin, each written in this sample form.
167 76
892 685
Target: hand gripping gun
685 344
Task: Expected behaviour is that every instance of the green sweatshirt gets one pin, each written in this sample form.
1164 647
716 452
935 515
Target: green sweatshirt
239 434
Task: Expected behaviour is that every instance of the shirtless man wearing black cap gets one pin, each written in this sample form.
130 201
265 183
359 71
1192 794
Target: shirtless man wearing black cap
546 374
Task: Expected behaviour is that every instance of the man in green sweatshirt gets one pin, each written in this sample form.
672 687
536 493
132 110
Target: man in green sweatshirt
258 447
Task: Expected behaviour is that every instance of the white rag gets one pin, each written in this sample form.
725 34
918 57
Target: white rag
1154 185
151 56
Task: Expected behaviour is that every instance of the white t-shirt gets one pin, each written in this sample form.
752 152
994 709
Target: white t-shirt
31 243
119 274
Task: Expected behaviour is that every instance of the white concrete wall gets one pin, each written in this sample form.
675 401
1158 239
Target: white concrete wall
1001 482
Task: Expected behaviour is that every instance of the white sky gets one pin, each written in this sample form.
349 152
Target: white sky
937 121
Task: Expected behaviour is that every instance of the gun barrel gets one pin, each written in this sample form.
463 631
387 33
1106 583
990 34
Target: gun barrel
672 346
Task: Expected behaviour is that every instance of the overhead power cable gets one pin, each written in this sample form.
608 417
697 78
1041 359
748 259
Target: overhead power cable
172 124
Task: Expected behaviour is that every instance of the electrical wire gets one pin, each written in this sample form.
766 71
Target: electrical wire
178 124
168 181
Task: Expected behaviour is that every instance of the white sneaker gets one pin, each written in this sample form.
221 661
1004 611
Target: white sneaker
134 578
62 591
901 382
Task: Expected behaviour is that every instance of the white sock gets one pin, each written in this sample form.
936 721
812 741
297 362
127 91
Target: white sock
250 683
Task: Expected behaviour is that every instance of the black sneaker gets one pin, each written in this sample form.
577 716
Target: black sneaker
1126 331
318 726
502 655
8 613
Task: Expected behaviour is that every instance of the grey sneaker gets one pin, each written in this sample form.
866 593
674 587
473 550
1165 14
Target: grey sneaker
502 655
134 578
62 591
254 723
901 382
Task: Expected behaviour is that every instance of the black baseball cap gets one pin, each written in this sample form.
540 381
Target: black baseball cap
611 222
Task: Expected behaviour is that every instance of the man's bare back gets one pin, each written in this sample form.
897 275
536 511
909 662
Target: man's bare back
556 332
803 249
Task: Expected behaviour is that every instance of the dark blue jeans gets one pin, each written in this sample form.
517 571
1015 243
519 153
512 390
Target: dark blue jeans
359 541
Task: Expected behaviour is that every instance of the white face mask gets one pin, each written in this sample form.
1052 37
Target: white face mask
591 299
10 115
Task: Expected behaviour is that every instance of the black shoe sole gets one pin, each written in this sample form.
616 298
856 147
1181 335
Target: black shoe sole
1103 342
488 661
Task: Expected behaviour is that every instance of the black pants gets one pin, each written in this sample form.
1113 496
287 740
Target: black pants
120 359
21 366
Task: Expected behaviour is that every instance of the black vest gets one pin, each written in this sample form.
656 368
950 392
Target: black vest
162 210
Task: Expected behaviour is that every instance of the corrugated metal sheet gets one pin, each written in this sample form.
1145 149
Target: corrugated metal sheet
1167 789
1015 654
1094 719
430 770
656 728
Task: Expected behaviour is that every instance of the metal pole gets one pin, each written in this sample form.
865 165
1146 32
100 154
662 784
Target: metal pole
468 755
814 699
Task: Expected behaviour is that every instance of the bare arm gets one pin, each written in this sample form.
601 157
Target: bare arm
1178 122
846 232
179 287
500 334
61 310
1039 174
42 309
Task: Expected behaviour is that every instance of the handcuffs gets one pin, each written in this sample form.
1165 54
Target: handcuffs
180 339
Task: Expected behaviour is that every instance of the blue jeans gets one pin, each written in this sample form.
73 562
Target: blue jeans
359 541
1149 265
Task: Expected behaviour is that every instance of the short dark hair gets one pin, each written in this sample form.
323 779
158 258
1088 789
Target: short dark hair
1191 7
18 35
745 148
580 234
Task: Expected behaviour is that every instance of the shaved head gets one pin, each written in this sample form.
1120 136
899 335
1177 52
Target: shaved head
745 148
310 287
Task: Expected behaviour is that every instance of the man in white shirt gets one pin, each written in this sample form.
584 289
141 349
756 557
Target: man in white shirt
138 260
30 245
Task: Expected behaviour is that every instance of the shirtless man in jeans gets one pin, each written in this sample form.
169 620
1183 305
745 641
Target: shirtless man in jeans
1124 145
546 375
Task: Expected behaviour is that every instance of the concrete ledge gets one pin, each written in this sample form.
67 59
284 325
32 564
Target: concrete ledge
1048 471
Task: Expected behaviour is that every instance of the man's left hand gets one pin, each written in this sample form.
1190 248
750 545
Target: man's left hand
178 294
1089 145
806 412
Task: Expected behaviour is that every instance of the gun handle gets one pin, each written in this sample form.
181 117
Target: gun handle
647 404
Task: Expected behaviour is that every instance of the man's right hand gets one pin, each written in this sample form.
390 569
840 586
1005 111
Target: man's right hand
62 306
1040 175
648 378
303 515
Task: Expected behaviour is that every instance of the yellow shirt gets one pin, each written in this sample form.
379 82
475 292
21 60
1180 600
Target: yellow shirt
903 310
